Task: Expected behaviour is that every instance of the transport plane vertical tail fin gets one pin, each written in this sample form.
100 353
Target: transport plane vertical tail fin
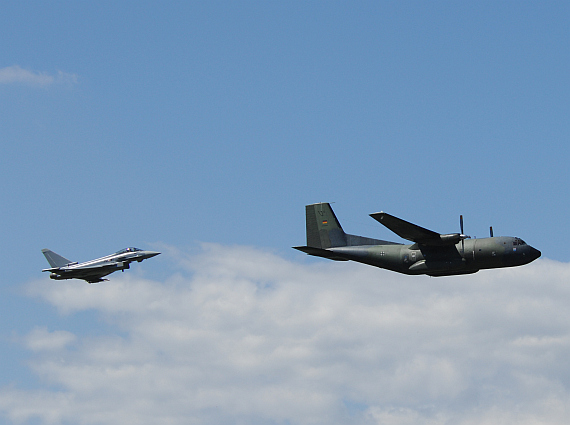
323 228
324 233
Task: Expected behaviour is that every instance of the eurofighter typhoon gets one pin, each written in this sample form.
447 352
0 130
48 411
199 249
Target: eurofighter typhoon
431 253
93 271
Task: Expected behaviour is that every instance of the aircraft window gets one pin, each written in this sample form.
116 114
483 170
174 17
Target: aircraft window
518 241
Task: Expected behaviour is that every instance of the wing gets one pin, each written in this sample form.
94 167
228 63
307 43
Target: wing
95 278
93 274
415 233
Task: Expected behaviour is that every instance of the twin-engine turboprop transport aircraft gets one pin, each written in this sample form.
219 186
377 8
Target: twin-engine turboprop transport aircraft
94 270
431 253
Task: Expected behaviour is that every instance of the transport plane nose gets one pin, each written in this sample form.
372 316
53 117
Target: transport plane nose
534 253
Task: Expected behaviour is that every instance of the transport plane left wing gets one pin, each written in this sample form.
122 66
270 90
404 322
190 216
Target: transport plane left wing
93 271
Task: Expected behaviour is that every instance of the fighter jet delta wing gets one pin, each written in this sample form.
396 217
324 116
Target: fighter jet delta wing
415 233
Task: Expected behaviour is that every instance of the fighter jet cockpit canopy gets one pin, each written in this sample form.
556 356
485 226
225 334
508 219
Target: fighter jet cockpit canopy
131 249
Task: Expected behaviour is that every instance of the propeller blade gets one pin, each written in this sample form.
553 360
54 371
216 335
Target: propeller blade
462 239
491 231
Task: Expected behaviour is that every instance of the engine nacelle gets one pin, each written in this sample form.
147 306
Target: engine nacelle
450 239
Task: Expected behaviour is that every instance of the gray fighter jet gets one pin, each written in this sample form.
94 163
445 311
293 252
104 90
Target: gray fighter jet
93 271
431 253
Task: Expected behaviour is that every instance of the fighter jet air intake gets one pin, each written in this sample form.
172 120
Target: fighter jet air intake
93 271
431 253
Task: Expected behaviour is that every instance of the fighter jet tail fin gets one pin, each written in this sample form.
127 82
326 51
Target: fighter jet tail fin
55 260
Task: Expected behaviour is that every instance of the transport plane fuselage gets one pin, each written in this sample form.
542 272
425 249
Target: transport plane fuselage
431 253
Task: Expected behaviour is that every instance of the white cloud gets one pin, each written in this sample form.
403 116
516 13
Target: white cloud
17 75
243 336
40 339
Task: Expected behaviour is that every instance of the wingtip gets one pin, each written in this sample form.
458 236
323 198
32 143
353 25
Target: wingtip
378 215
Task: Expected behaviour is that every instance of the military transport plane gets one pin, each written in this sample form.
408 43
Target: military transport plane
94 270
431 253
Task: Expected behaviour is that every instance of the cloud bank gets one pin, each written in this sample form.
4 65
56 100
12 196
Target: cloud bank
17 75
240 335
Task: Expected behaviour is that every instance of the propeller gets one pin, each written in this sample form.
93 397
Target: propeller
462 236
491 231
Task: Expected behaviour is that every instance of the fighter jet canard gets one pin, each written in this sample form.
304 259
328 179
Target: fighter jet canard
93 271
431 253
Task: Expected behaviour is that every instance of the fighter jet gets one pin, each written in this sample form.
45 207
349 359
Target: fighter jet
93 271
431 253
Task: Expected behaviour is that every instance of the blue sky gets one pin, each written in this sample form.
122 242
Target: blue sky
170 126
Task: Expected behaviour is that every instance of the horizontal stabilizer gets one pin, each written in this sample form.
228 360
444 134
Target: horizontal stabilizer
55 260
318 252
